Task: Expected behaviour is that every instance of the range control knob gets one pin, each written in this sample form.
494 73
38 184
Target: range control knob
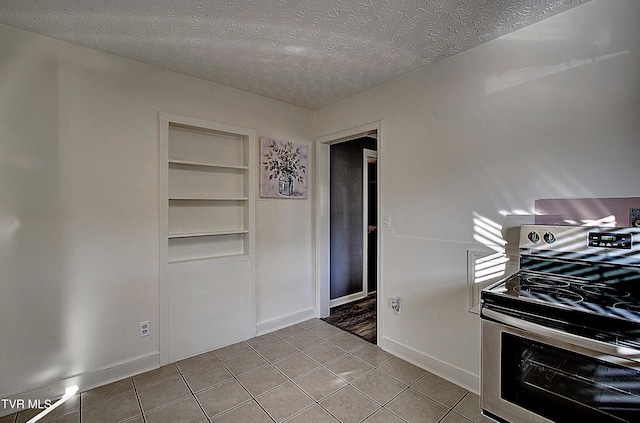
549 238
533 237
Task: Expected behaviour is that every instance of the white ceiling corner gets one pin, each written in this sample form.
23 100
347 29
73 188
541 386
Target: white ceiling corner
309 53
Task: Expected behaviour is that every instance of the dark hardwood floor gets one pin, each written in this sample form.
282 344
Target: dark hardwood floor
357 317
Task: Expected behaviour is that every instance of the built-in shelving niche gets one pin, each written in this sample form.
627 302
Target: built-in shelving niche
209 203
207 216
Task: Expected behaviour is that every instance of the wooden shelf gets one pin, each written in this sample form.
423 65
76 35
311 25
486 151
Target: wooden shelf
201 164
217 258
211 233
207 199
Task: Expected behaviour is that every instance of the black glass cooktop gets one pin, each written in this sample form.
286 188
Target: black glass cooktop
605 289
597 311
599 301
619 298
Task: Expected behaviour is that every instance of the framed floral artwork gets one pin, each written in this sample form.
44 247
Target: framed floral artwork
283 169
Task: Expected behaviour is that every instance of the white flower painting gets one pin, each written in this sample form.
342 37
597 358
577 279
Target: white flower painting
283 169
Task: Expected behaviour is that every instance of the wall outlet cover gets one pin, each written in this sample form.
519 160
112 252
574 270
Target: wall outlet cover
634 218
144 329
396 305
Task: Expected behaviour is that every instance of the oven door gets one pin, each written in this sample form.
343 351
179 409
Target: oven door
531 373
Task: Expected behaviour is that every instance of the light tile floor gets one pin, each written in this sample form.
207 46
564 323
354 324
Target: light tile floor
311 372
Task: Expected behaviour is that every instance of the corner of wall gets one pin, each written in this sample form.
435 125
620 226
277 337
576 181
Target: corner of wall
446 371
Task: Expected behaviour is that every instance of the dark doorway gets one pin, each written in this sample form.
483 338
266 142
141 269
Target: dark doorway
353 228
371 215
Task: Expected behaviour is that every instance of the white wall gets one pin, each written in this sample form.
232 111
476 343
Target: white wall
79 210
550 111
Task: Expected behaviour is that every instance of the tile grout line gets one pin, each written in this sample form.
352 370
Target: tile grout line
135 389
451 410
347 353
193 395
374 367
291 380
80 401
253 398
336 392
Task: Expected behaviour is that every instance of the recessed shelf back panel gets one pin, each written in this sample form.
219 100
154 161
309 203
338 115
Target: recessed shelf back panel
205 182
200 216
204 247
206 146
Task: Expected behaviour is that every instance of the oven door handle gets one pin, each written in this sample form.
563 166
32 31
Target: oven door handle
625 353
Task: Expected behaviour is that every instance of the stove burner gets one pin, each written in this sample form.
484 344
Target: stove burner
546 282
634 307
546 294
604 291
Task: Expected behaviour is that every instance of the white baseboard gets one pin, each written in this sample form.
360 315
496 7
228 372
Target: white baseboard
346 299
446 371
85 381
284 321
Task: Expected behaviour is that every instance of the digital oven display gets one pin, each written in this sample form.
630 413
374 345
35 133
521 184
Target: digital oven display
610 240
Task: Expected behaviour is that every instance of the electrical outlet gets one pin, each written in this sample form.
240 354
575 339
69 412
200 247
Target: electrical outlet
396 305
634 218
144 329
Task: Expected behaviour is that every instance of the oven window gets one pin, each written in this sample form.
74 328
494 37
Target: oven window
561 385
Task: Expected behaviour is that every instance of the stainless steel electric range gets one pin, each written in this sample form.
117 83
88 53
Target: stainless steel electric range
561 337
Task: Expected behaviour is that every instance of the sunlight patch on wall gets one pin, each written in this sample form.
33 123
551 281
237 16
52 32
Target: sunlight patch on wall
487 266
517 77
517 212
488 233
9 225
605 222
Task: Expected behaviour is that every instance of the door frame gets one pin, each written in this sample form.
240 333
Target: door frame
322 216
366 155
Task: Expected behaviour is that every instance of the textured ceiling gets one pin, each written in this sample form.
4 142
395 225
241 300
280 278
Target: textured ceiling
310 53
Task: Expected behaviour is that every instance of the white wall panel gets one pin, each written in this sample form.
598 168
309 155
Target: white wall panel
549 111
32 307
79 212
282 294
209 308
